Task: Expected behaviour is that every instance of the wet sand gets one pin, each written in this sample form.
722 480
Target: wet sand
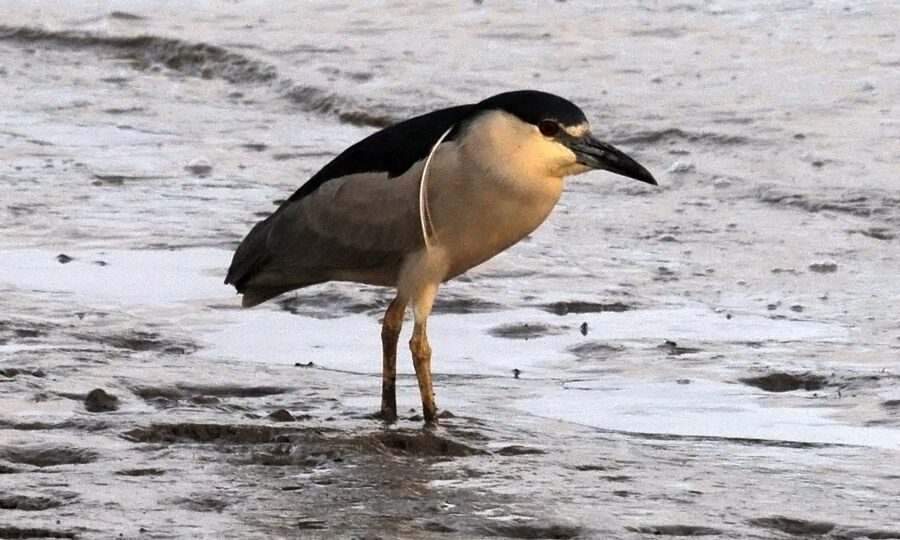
717 357
282 454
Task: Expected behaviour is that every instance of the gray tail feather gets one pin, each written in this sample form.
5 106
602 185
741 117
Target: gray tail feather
250 256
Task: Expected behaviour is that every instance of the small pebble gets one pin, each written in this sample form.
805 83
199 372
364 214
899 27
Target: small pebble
98 400
281 415
199 167
681 167
721 183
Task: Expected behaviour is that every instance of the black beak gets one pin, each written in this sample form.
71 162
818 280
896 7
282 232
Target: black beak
597 154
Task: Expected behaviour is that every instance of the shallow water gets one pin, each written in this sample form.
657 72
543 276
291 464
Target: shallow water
717 356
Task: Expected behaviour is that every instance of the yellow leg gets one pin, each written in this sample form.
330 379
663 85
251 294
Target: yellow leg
421 351
390 333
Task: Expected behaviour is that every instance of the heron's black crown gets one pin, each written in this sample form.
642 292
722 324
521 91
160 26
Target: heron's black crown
532 106
396 148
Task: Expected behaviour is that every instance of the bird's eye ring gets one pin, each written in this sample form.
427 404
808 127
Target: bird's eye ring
548 128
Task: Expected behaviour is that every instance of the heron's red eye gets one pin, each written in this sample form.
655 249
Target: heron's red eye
548 128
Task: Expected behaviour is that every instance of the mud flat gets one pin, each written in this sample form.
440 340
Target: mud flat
716 357
182 458
190 431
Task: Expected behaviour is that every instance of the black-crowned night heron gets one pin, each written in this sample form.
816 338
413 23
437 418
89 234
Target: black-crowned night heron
421 202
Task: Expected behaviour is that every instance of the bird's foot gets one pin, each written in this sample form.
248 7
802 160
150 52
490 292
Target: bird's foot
428 423
388 416
430 416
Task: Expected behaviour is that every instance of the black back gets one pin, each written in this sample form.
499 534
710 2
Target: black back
397 148
393 150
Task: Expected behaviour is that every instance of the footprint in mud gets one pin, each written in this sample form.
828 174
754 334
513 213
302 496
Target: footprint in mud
798 527
207 396
199 503
228 390
139 341
149 471
806 528
526 330
786 382
11 330
528 529
676 350
518 450
12 372
459 304
676 530
826 267
892 405
594 350
30 503
33 532
47 456
582 306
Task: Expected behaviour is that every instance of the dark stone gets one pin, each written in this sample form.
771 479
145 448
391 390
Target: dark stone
98 400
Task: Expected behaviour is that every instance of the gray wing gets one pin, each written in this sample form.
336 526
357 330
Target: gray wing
357 227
